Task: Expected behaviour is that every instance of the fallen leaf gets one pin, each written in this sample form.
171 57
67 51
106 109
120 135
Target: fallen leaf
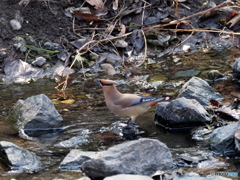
121 43
115 5
69 101
215 103
98 4
86 16
122 29
61 96
108 68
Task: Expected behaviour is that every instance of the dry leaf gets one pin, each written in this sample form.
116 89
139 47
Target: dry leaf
115 5
69 101
98 4
24 2
123 29
108 68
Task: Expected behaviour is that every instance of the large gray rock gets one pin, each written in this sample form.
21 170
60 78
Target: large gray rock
128 177
35 116
222 139
181 113
75 159
140 157
197 88
18 159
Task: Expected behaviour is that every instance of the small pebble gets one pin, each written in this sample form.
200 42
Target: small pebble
16 25
39 61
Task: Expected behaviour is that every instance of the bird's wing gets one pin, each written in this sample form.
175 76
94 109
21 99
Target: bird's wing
139 99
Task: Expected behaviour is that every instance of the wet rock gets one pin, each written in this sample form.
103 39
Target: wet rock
74 160
128 177
201 133
35 116
237 140
39 61
19 159
222 139
141 157
197 88
74 141
188 160
236 68
181 113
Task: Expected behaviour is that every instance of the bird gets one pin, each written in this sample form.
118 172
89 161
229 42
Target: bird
130 105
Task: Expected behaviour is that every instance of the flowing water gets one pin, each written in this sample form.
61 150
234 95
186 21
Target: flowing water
87 113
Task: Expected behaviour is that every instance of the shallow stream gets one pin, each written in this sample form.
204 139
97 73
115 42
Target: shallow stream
87 114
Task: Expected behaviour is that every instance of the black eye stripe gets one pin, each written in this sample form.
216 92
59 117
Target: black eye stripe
103 84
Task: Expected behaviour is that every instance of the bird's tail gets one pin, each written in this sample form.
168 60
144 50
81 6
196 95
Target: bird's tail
159 100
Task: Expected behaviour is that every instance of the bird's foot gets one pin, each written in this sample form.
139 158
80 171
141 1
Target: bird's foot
131 124
130 131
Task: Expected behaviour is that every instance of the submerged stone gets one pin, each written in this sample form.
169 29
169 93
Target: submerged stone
187 73
19 159
140 157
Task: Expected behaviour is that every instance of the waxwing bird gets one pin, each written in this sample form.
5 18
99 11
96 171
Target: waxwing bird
131 105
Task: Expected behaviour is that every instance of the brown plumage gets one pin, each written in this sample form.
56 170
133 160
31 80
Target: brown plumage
131 105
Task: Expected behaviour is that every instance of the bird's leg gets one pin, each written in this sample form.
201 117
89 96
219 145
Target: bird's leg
131 123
